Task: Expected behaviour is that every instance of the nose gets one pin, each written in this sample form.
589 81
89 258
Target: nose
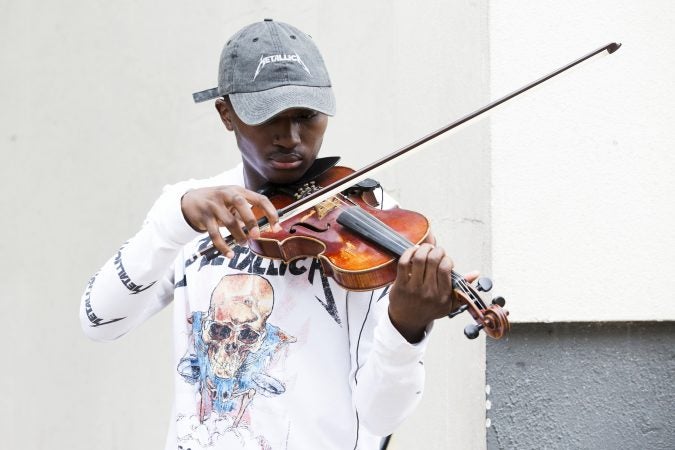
287 134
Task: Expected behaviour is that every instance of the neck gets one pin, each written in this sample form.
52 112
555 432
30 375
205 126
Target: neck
253 182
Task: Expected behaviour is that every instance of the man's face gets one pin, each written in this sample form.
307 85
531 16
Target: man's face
279 150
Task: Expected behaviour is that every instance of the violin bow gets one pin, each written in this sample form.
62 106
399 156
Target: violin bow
360 175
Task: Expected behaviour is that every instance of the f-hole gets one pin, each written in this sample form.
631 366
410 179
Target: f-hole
309 227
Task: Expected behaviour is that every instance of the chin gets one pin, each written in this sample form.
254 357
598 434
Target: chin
286 176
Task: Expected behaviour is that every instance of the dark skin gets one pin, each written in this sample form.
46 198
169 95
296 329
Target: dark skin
281 150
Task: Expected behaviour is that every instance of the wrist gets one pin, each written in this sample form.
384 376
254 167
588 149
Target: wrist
412 332
183 211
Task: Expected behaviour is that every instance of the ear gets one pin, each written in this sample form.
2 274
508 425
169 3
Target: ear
226 112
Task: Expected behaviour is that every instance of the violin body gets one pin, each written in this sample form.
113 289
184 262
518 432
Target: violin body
352 261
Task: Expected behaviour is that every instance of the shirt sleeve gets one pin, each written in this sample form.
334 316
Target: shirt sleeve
387 371
138 280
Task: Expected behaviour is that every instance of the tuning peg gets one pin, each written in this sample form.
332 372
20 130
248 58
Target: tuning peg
458 311
484 284
499 301
472 330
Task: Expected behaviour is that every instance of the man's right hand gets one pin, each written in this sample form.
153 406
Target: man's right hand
208 209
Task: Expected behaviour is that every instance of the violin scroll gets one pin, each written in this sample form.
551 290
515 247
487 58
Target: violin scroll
493 319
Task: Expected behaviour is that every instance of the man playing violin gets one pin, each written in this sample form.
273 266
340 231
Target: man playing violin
269 354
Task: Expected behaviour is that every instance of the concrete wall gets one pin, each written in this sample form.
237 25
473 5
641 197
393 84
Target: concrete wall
96 115
582 220
583 386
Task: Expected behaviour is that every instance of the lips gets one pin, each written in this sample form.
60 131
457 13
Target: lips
285 161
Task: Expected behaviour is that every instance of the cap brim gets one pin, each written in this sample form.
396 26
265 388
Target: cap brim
254 108
208 94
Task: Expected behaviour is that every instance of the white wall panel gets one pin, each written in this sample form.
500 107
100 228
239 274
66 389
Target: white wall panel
582 171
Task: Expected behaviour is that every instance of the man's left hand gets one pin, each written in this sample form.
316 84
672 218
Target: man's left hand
422 291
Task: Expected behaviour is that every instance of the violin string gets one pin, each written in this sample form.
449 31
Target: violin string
366 218
466 287
461 283
393 235
384 231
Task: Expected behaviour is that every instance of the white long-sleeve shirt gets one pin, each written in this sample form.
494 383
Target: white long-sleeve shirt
268 355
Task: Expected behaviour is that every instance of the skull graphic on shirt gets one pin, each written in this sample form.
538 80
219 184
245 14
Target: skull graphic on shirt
236 322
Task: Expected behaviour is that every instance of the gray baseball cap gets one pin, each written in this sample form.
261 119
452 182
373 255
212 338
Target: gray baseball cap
268 67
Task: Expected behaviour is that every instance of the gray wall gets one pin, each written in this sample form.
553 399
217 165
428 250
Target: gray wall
583 386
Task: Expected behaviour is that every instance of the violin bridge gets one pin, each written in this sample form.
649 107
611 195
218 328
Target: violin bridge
322 208
327 206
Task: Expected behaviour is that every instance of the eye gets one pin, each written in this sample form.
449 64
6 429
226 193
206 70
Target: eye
307 114
219 331
248 336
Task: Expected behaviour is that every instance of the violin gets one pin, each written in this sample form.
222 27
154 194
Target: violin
331 215
357 243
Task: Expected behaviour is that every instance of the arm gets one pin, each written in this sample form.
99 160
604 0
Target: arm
138 280
387 371
390 382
